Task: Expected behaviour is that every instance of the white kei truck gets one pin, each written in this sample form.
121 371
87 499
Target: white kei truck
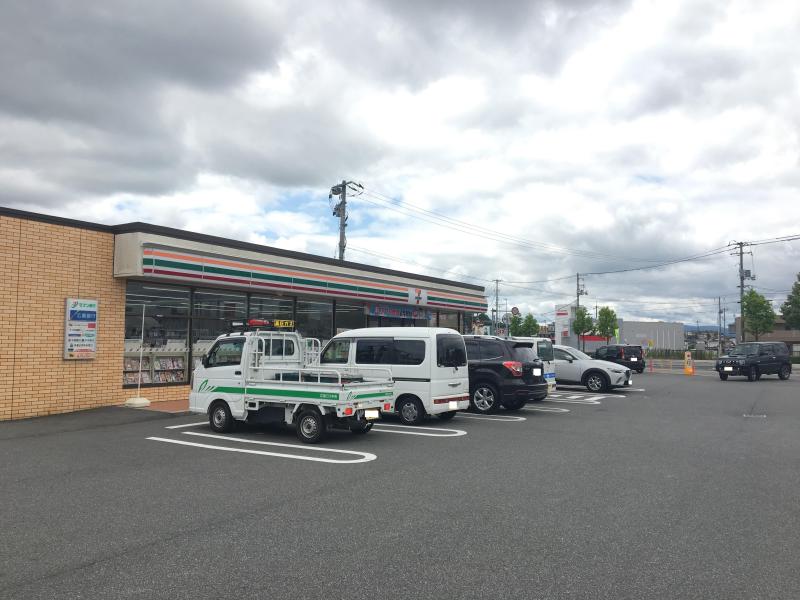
266 376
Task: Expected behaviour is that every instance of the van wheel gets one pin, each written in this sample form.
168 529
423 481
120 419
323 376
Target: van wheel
484 398
785 371
361 428
752 374
410 410
446 416
596 382
310 426
220 418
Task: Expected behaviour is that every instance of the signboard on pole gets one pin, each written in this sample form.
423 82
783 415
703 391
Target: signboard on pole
80 329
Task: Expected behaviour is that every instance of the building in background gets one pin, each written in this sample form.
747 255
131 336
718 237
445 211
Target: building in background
648 334
82 301
780 333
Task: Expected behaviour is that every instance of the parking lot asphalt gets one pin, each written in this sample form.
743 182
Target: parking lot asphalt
677 488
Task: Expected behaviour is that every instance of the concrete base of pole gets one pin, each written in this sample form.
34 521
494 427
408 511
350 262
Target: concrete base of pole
137 402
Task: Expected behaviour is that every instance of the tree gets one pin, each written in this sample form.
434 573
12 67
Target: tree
530 327
758 314
791 308
583 323
606 322
515 325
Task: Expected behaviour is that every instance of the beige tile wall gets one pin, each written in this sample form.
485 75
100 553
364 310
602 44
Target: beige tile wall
45 264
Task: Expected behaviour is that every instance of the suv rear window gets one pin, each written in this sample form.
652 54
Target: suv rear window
632 351
491 350
524 353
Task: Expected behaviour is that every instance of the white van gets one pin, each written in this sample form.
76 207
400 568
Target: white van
543 349
428 366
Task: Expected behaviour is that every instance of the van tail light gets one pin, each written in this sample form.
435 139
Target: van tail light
514 366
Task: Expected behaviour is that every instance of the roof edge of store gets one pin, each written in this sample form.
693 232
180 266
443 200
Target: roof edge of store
139 227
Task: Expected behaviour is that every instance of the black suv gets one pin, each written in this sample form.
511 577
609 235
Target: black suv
502 372
622 354
754 359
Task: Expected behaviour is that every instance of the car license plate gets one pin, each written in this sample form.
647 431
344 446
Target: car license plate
452 405
727 368
537 372
372 413
634 359
629 382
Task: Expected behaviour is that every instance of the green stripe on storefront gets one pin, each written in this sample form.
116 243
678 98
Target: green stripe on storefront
469 303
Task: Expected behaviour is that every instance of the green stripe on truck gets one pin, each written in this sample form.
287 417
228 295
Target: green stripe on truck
374 395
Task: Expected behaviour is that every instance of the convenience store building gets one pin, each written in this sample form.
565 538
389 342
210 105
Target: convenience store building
79 303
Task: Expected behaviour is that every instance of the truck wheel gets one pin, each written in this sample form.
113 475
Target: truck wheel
361 428
446 416
220 418
752 374
785 371
310 426
723 376
484 398
410 410
596 382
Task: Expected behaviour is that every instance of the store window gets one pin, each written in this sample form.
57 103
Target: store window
448 319
272 308
315 319
212 313
163 343
349 316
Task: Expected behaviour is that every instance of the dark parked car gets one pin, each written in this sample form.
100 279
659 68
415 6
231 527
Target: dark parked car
623 354
502 372
754 359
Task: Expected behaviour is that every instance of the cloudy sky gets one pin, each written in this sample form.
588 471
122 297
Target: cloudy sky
521 139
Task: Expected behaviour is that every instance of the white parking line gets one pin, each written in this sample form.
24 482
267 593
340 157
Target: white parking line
550 409
363 456
415 430
507 418
187 425
579 400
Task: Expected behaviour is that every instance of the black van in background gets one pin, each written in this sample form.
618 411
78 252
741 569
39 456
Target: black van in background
623 354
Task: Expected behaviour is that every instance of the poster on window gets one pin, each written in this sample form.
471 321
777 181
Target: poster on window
80 329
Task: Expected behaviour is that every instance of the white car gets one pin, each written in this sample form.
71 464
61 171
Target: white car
575 367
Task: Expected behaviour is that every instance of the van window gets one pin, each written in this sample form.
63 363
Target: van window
450 350
382 351
409 352
491 350
633 351
337 352
544 349
226 353
601 352
374 351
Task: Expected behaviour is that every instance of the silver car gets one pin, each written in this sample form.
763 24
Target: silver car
575 367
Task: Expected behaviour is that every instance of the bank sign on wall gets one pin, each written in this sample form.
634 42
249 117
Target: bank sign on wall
80 329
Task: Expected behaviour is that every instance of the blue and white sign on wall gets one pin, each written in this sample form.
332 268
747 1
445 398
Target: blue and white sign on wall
80 329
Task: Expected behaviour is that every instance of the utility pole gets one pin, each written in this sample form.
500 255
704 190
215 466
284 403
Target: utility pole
580 290
340 210
742 276
719 327
496 306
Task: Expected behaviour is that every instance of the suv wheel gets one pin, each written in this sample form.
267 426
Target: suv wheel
752 374
785 371
723 376
484 398
596 382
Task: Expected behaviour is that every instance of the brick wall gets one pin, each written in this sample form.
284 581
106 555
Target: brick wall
45 264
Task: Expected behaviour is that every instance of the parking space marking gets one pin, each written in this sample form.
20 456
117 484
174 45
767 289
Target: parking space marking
506 418
363 456
548 409
579 400
415 430
187 425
